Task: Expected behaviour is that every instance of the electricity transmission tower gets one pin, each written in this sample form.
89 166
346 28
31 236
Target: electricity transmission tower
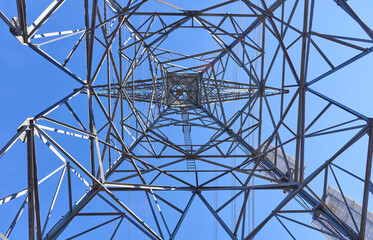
194 120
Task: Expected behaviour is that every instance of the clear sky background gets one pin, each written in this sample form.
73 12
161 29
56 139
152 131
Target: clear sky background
29 84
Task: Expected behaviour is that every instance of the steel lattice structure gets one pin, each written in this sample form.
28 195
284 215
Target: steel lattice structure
186 110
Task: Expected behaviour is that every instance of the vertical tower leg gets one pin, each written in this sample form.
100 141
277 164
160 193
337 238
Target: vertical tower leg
32 186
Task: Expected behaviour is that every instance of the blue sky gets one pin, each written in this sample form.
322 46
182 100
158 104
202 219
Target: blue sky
30 83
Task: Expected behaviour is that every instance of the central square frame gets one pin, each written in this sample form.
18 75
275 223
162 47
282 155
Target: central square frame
183 89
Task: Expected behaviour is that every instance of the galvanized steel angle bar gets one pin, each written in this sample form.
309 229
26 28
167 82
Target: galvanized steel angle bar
221 222
97 182
344 198
305 182
272 8
308 226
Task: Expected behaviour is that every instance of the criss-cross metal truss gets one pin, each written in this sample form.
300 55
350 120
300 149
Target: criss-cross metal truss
186 100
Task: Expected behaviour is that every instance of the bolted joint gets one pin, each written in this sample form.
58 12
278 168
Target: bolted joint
192 13
258 153
370 122
24 127
16 31
197 191
370 126
317 210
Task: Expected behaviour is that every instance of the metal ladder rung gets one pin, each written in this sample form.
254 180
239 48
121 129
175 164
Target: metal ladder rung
191 163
